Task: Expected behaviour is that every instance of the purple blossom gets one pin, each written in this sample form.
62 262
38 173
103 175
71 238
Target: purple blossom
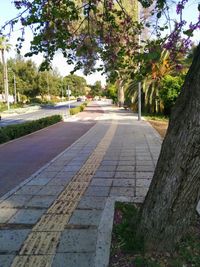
180 6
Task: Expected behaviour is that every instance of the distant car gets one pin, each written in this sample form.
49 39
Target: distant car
79 99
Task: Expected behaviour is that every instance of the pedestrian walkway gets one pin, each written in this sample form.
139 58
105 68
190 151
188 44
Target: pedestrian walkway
62 215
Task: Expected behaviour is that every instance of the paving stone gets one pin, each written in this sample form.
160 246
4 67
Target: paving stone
108 168
33 261
106 158
126 175
6 260
45 174
141 191
40 243
39 181
51 190
101 182
41 201
11 240
54 168
143 182
109 163
126 158
92 203
105 174
28 190
144 163
77 240
122 191
67 174
85 217
97 191
74 260
6 214
60 181
27 216
143 157
144 175
145 168
125 168
127 162
16 201
124 182
73 168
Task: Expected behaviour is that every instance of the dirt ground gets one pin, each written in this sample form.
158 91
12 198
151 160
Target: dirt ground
160 126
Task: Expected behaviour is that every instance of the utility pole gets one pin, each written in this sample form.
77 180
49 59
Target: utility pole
15 89
139 83
68 93
5 78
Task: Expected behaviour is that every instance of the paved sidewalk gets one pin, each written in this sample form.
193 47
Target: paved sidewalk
62 215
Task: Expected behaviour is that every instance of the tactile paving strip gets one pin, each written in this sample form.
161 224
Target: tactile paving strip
46 233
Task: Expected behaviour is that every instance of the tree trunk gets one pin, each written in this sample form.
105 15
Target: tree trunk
120 93
170 205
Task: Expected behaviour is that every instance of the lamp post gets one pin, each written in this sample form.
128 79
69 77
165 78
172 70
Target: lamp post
15 89
5 78
139 83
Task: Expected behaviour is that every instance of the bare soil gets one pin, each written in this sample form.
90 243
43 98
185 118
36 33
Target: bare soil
159 126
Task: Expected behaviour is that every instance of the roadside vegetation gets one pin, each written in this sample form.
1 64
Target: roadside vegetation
164 61
127 249
78 109
11 132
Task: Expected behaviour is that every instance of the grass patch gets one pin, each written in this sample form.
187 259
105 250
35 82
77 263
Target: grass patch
11 132
127 249
157 117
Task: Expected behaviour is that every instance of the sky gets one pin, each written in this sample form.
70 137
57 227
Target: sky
8 11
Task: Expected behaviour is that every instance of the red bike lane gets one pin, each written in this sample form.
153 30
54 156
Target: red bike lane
22 157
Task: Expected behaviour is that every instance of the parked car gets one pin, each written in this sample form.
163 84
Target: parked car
78 99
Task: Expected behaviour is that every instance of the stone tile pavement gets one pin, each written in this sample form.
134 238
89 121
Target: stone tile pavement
62 215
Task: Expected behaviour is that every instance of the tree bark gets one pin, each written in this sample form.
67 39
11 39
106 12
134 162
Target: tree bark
170 205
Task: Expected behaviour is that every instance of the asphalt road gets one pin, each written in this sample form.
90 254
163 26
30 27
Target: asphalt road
35 115
22 157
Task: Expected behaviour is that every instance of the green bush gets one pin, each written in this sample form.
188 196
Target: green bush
170 89
78 109
15 131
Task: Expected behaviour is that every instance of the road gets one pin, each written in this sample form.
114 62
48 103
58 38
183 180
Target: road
43 112
22 157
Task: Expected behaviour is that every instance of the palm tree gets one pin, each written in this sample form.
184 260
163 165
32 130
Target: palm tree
4 46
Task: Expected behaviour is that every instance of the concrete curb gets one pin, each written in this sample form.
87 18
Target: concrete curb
104 236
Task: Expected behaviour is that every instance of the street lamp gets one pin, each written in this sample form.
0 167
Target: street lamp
139 83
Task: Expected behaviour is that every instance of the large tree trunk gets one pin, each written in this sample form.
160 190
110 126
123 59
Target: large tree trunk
170 205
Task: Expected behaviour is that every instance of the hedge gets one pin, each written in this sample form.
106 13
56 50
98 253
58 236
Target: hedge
78 109
17 130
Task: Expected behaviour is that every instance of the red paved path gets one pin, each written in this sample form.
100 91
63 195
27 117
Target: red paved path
22 157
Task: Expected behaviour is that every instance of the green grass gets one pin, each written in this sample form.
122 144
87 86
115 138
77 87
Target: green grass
127 249
157 117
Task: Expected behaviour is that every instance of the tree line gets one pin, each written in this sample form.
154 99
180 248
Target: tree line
28 83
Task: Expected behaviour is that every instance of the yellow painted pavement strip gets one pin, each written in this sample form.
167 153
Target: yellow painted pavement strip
40 246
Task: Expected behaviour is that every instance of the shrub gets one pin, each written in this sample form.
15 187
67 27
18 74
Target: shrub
14 131
170 89
78 109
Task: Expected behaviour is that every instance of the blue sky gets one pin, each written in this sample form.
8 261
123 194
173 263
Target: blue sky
8 11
